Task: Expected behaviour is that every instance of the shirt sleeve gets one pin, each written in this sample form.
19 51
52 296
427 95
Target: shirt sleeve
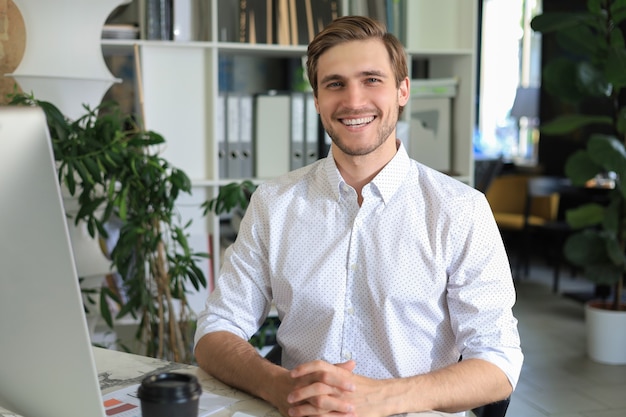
242 296
481 293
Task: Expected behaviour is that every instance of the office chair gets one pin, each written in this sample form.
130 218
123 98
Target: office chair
522 204
507 198
496 409
543 196
485 171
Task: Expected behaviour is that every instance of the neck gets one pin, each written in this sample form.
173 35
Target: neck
358 170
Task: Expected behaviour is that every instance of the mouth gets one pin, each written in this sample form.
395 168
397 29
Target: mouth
357 122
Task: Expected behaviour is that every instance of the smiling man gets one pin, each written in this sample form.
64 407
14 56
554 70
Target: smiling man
383 271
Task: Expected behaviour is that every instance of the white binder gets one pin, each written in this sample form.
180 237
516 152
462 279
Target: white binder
220 132
246 159
311 136
297 130
272 134
233 162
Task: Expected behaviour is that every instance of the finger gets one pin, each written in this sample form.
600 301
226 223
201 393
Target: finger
320 371
335 381
309 368
316 389
323 405
348 366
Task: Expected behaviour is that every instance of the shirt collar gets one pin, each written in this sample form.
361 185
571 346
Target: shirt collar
387 181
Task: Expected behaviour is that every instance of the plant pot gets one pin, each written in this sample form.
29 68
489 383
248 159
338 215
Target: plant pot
88 251
606 334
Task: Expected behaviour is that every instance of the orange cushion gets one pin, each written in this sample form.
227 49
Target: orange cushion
514 221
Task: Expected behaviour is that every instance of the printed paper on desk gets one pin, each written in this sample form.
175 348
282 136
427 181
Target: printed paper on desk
124 403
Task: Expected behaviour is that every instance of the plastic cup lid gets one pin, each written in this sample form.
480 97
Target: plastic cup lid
169 387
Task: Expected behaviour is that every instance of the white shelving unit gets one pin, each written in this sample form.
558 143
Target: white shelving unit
181 86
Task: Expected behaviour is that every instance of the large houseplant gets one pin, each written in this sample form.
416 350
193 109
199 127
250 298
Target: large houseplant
593 67
107 161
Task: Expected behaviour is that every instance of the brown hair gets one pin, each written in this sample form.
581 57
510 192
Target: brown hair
355 28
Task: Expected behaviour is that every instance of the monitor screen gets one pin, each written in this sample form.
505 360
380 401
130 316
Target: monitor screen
46 360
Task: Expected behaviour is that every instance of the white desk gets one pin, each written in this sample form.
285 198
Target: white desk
118 369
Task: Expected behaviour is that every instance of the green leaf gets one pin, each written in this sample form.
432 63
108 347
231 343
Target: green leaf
70 182
611 220
580 40
585 248
580 168
615 67
591 81
570 122
83 173
618 11
122 204
595 6
608 152
617 38
94 170
603 273
557 21
621 121
560 79
105 311
585 215
615 252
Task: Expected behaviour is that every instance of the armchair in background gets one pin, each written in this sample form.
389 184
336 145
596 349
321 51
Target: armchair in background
514 212
485 171
546 191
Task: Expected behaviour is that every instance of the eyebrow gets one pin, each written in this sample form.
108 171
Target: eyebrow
337 77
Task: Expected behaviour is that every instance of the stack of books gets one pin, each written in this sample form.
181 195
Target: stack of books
120 31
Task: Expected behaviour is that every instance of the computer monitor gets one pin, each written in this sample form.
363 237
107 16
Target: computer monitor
47 367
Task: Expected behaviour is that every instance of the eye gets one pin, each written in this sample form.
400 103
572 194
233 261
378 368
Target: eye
372 80
335 84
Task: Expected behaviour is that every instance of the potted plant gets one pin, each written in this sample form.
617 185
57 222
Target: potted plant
109 163
594 67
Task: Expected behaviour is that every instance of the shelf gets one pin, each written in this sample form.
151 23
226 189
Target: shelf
280 51
428 53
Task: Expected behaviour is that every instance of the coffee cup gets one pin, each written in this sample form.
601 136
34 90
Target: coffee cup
169 394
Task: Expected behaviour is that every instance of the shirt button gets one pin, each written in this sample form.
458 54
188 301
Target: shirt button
347 356
351 310
354 267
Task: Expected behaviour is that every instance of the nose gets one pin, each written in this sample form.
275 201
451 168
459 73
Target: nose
354 95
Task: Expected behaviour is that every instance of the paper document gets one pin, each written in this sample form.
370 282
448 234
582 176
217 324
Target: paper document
125 403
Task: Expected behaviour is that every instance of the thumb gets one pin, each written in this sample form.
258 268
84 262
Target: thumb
348 366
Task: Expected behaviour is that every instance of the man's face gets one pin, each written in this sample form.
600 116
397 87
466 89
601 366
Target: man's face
357 98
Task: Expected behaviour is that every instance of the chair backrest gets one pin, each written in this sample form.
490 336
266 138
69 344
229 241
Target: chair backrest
507 194
486 171
497 409
516 199
543 197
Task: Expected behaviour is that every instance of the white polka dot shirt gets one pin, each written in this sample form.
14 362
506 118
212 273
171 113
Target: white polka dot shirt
404 284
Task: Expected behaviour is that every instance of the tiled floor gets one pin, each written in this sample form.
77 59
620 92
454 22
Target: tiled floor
558 380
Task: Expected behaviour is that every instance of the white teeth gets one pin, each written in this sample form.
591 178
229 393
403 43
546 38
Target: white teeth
360 121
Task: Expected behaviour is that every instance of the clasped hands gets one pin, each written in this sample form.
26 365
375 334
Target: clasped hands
320 388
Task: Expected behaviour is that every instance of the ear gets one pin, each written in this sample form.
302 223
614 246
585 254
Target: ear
317 106
404 91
